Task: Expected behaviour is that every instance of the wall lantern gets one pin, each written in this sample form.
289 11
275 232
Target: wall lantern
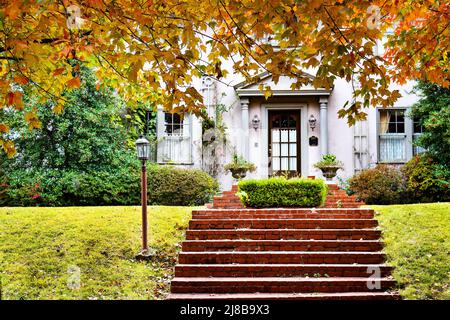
312 122
255 122
143 154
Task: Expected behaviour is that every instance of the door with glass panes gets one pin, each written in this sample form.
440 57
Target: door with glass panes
284 142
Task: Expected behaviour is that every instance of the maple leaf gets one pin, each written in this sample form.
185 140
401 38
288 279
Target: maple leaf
74 82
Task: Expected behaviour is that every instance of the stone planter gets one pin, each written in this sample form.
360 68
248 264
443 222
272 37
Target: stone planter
238 173
329 172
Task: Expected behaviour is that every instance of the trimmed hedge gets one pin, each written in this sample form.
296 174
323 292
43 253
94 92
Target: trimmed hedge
167 185
171 186
281 192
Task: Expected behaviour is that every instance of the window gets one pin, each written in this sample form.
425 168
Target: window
392 135
417 131
173 123
396 135
174 138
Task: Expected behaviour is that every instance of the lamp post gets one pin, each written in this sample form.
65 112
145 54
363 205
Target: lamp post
143 153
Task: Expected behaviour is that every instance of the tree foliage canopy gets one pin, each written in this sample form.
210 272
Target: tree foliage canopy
153 49
433 113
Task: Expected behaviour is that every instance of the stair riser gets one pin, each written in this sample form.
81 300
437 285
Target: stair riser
200 258
278 211
282 224
275 271
295 297
276 287
280 216
282 246
282 234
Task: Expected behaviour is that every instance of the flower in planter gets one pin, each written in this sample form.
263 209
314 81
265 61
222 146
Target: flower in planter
329 165
239 167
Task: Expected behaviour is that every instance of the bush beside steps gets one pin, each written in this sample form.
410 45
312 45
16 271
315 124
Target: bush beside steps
281 192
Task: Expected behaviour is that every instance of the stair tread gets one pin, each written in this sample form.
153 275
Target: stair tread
281 296
282 241
277 279
283 252
284 265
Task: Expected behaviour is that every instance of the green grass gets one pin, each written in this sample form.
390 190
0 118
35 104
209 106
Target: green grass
417 239
41 249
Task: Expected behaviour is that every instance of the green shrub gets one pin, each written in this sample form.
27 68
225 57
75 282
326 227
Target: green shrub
169 185
281 192
380 185
426 181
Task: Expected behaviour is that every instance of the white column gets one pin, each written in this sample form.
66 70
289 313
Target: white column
323 102
244 128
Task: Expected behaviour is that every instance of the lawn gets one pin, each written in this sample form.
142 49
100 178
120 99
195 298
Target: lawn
417 241
44 251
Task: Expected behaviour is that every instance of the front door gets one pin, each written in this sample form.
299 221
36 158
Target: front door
284 142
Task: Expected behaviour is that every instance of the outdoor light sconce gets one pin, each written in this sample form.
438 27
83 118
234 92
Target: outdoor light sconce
143 154
312 122
255 122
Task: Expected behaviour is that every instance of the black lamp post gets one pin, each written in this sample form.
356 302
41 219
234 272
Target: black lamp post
143 153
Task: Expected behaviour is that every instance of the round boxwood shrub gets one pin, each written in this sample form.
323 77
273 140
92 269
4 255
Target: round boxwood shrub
168 185
382 184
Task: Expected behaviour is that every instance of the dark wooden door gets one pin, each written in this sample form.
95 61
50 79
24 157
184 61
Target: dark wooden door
284 142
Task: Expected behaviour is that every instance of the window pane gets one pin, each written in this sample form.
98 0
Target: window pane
275 135
284 150
292 149
392 149
276 164
400 127
284 136
292 135
276 149
284 164
293 164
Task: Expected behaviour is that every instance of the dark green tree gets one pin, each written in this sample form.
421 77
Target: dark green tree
433 113
79 156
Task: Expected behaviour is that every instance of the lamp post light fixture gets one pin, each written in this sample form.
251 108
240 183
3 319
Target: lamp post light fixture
312 122
255 122
143 153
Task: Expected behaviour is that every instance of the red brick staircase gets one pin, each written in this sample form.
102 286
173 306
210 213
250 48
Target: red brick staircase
320 253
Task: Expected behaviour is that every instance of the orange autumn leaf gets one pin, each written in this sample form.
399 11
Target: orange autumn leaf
4 128
58 71
21 80
74 82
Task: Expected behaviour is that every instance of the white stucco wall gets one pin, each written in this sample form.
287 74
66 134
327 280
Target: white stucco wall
340 135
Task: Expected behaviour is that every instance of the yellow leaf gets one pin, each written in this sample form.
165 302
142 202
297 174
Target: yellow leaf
33 121
9 148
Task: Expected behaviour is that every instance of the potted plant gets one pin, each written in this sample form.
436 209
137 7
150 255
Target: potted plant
329 166
239 167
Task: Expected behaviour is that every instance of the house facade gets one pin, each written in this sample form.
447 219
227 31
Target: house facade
287 132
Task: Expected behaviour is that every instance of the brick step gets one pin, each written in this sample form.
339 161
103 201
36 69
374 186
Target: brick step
287 296
274 257
280 270
344 198
282 223
281 245
219 215
227 206
277 285
277 211
288 234
335 205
